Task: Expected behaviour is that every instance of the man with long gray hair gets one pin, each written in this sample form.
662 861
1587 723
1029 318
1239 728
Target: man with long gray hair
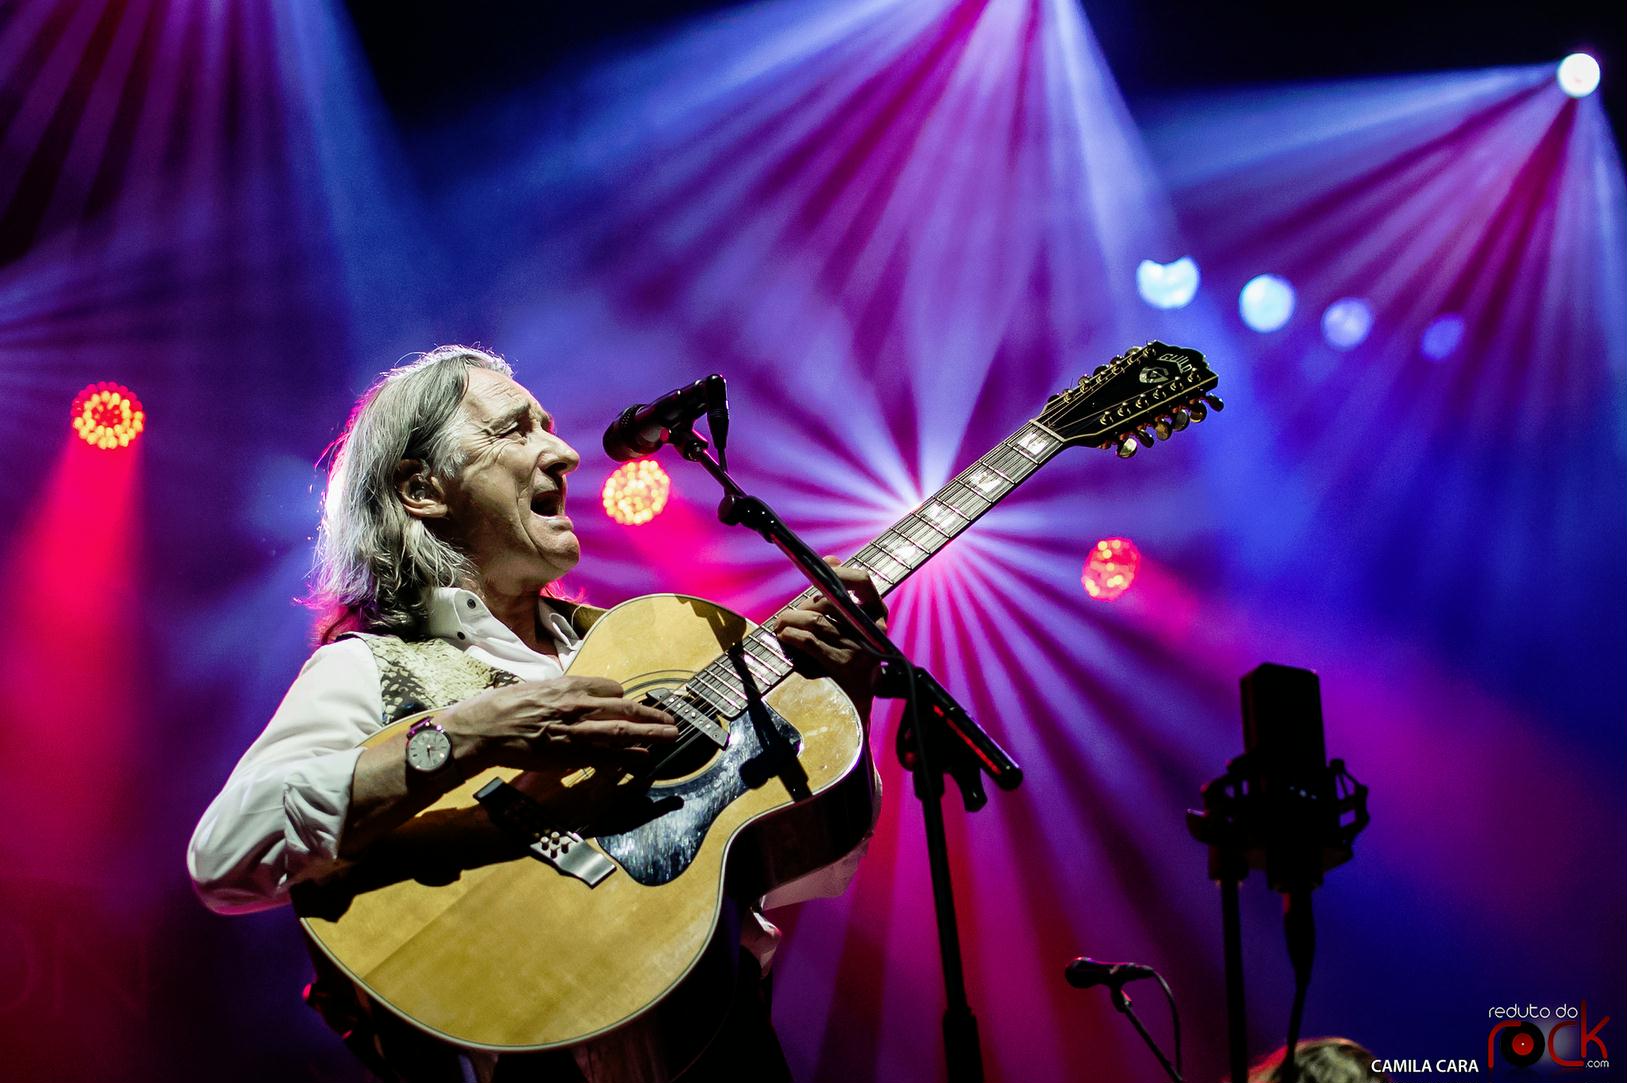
443 531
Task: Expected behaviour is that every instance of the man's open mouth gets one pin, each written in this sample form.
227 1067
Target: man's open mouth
549 503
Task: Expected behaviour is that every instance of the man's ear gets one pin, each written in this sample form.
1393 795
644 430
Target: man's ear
422 494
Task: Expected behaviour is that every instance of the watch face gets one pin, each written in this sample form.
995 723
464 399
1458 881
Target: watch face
428 749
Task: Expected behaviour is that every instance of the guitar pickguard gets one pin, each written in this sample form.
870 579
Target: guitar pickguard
655 836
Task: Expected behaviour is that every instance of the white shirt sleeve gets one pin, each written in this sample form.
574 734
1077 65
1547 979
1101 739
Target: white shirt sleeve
277 820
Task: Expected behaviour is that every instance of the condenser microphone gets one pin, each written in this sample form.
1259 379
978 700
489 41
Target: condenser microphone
1085 972
642 429
1295 804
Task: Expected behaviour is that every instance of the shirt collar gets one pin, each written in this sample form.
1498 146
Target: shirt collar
460 615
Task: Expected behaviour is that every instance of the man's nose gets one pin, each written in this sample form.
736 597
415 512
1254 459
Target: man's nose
557 454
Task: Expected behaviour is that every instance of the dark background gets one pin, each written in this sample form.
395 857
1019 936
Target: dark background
1152 45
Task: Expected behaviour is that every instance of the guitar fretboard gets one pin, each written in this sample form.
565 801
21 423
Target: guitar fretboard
722 686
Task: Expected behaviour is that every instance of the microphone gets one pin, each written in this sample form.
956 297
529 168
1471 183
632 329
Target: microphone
1293 793
1085 972
643 428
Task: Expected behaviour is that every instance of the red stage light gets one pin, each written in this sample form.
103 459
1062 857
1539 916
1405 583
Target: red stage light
1110 568
108 416
637 492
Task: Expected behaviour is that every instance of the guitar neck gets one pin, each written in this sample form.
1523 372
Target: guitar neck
918 536
893 556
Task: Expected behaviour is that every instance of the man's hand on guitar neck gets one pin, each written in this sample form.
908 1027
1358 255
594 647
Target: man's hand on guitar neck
821 646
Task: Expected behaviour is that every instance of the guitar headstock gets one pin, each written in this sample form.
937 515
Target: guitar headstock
1150 391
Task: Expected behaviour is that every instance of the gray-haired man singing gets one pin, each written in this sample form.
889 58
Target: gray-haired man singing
445 524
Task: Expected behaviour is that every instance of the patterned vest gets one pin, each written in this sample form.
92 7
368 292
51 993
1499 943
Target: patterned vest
428 674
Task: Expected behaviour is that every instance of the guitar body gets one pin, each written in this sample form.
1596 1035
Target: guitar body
455 928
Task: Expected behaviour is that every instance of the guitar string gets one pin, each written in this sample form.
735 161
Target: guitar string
965 500
961 497
1007 462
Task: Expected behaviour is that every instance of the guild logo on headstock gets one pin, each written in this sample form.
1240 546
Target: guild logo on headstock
1153 374
1183 362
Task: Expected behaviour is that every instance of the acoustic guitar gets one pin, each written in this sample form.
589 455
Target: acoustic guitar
599 914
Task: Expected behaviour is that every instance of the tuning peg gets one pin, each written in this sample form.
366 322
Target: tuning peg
1179 418
1163 426
1198 410
1214 400
1127 447
1145 436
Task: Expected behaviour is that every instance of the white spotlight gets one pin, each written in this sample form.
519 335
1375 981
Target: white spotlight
1442 337
1346 323
1266 302
1167 285
1578 75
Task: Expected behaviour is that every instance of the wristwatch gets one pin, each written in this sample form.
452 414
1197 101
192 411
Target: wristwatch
429 749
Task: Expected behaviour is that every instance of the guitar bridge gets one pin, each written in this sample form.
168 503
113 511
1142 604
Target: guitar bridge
568 852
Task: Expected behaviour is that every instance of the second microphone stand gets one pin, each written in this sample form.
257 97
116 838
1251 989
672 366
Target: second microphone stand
937 736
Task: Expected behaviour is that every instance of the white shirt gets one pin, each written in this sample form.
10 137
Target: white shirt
278 818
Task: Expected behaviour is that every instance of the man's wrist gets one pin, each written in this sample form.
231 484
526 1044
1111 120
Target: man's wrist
469 752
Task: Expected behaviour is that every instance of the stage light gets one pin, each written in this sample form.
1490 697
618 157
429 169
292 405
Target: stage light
1167 285
108 416
1266 302
636 492
1442 337
1578 75
1347 323
1110 569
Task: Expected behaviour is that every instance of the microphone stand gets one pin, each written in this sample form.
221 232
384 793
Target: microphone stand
1218 827
1085 973
939 736
1231 826
1121 1001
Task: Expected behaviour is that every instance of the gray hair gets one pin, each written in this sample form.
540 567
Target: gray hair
374 562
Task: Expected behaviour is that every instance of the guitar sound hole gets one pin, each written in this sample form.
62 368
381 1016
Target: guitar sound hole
695 755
